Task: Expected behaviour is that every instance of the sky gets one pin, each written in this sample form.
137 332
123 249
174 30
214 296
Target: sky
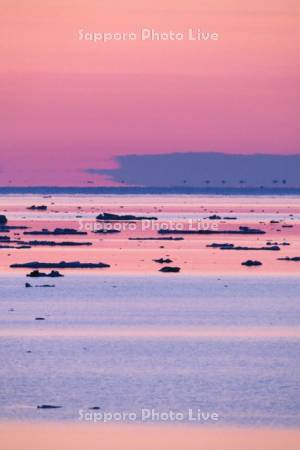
69 105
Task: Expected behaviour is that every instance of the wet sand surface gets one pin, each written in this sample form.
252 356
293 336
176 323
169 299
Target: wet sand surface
99 437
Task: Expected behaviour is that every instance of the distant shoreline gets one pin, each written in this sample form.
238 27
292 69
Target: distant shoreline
176 190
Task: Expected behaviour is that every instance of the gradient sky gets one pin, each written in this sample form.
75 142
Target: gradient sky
67 105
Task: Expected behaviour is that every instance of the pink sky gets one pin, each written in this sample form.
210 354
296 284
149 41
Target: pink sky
69 105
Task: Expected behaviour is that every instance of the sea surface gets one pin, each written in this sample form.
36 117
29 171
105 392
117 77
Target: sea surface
222 344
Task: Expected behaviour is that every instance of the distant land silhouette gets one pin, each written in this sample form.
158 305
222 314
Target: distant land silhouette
176 190
205 169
